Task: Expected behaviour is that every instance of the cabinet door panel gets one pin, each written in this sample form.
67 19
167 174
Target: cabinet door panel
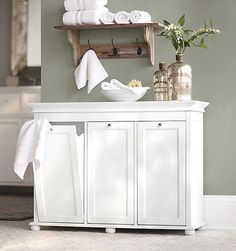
110 173
161 173
58 183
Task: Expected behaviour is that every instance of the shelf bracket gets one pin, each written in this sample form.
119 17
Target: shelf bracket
149 36
74 39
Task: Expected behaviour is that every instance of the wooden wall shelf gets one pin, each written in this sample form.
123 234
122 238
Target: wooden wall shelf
106 51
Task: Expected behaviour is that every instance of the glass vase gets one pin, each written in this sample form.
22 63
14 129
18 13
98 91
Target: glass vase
180 79
160 87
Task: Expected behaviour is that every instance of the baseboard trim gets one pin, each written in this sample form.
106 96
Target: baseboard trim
220 212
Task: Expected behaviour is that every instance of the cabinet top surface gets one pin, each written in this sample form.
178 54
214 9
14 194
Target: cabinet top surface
142 106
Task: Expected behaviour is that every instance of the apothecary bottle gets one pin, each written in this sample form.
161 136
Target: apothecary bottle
180 79
160 87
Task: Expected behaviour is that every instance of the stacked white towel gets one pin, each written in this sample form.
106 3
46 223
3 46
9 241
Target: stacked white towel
83 17
81 12
31 145
71 5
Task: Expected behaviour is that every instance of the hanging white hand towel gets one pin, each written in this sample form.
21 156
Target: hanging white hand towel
138 16
108 18
122 17
31 145
84 4
84 17
90 71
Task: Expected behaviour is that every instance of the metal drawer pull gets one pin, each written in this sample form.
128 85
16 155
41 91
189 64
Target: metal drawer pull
159 124
109 125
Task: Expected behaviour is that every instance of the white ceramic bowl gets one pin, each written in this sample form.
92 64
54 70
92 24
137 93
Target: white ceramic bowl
123 95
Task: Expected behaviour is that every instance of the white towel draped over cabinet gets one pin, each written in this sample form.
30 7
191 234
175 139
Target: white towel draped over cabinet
31 145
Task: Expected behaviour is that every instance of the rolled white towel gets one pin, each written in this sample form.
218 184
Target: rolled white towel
119 85
109 86
84 17
108 18
70 18
84 4
122 17
136 90
138 16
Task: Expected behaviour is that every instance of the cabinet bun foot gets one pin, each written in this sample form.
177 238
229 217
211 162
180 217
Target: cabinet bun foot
110 230
35 228
190 232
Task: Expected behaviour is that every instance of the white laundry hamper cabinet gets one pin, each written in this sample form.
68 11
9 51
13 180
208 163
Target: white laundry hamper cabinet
136 165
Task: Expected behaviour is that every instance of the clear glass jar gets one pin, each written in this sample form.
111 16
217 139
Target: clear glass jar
180 79
160 87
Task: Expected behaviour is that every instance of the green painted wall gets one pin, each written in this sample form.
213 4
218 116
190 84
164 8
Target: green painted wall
213 69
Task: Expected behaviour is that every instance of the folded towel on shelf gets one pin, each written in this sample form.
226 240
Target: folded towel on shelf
137 16
91 16
31 145
84 4
122 17
108 18
90 71
84 17
117 85
70 18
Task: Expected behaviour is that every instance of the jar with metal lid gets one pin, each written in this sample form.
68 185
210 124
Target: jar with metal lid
160 88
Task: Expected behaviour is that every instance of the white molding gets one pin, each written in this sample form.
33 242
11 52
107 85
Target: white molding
141 106
220 212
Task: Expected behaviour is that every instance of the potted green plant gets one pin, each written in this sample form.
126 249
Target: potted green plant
179 73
